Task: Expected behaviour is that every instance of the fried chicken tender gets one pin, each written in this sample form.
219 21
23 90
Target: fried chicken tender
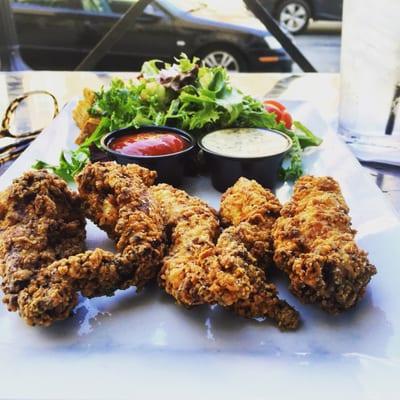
117 199
245 247
194 228
53 294
205 268
41 221
314 244
247 201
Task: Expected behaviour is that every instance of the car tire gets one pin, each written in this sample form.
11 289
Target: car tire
225 56
294 15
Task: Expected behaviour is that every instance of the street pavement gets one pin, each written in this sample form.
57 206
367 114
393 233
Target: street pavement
321 45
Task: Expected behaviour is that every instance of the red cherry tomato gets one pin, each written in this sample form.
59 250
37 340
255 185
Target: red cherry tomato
287 119
270 108
275 103
273 106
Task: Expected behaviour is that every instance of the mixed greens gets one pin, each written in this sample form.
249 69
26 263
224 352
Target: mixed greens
185 95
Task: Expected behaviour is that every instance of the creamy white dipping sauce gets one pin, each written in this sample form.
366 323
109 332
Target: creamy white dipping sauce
245 142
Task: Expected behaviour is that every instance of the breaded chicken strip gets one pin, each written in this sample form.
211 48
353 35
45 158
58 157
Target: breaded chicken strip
246 246
202 269
194 228
53 293
117 198
247 201
314 244
41 221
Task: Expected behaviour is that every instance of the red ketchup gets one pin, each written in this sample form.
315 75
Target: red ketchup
149 144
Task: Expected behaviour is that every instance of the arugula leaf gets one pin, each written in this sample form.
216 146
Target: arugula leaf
149 69
203 117
305 136
185 64
293 159
184 95
72 162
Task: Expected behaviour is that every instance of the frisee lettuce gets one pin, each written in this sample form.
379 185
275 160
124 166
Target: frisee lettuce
184 95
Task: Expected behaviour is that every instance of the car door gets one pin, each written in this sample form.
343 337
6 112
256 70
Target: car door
50 32
152 35
328 9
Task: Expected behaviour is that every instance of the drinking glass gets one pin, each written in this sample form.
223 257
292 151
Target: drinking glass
370 79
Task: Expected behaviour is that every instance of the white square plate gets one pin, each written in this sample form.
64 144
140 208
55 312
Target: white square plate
144 346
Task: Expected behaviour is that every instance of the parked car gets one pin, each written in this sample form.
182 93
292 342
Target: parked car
57 34
295 15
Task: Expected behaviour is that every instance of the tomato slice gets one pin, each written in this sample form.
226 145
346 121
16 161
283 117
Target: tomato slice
276 104
287 119
272 109
273 106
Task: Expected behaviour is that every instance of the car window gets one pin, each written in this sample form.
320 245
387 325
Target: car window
100 6
117 6
190 6
74 4
120 6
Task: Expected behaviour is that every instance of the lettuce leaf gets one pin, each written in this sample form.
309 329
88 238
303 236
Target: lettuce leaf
185 95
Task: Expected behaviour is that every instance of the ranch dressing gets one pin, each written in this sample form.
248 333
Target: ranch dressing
245 142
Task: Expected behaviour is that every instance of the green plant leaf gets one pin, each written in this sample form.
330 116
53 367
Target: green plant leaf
186 96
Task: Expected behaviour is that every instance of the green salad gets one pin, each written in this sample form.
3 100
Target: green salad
185 95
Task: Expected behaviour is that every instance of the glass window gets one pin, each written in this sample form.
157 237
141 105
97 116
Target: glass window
100 6
117 6
190 5
120 6
74 4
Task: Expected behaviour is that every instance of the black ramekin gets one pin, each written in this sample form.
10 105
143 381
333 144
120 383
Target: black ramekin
226 170
170 168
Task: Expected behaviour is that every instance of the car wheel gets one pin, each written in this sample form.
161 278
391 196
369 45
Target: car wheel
228 58
294 15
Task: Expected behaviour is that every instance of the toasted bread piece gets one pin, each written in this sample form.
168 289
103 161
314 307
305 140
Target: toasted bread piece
81 116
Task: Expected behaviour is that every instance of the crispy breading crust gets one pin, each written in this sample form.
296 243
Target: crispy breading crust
82 118
248 201
53 294
118 200
200 268
194 229
314 244
246 247
41 221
